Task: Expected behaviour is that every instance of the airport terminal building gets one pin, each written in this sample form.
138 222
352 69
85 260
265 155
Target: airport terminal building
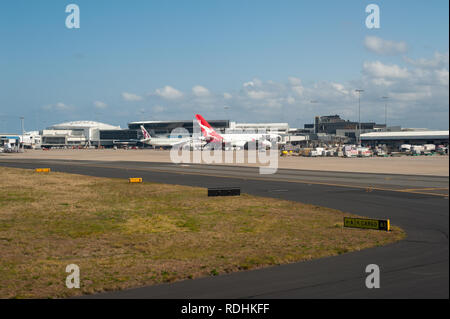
329 130
344 130
132 135
74 134
93 134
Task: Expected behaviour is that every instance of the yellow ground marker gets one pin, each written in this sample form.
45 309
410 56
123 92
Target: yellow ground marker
42 170
135 180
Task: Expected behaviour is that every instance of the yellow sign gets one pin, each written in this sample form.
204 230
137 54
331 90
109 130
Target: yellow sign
365 223
135 180
42 170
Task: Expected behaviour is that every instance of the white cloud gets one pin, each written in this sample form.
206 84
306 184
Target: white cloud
442 76
439 60
130 97
380 70
418 92
273 103
248 84
290 100
258 95
100 105
253 84
200 91
418 96
340 88
296 85
384 47
169 92
382 82
57 107
298 90
294 81
62 106
410 96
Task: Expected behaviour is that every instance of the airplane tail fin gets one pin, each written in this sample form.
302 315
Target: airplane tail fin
207 131
145 134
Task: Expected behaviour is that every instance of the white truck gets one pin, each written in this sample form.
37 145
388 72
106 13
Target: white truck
405 148
350 151
318 151
417 149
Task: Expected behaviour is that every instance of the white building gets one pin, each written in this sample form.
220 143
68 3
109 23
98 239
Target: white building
276 128
31 139
406 137
78 133
281 128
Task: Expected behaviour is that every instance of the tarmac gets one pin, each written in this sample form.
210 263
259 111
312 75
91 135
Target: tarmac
417 267
410 165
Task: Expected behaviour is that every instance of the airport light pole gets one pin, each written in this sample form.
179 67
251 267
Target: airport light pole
315 128
97 118
385 98
359 115
23 129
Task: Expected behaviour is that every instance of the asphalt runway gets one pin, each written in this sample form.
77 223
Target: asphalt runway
417 267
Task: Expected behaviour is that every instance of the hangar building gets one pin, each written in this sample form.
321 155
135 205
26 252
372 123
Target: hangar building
395 139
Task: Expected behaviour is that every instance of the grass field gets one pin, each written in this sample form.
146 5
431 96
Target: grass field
125 235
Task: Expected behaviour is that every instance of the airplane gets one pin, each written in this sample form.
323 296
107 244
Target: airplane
163 141
237 140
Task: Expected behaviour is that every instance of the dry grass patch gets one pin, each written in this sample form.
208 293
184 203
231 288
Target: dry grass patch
126 235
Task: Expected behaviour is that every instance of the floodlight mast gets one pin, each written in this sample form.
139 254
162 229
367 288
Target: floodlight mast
359 115
385 98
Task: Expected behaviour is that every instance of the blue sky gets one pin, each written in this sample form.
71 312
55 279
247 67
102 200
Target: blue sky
248 60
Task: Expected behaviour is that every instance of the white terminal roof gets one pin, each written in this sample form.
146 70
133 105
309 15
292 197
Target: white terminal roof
83 124
284 126
410 135
261 124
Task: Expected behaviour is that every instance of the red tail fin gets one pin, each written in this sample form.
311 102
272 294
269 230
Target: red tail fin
207 130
